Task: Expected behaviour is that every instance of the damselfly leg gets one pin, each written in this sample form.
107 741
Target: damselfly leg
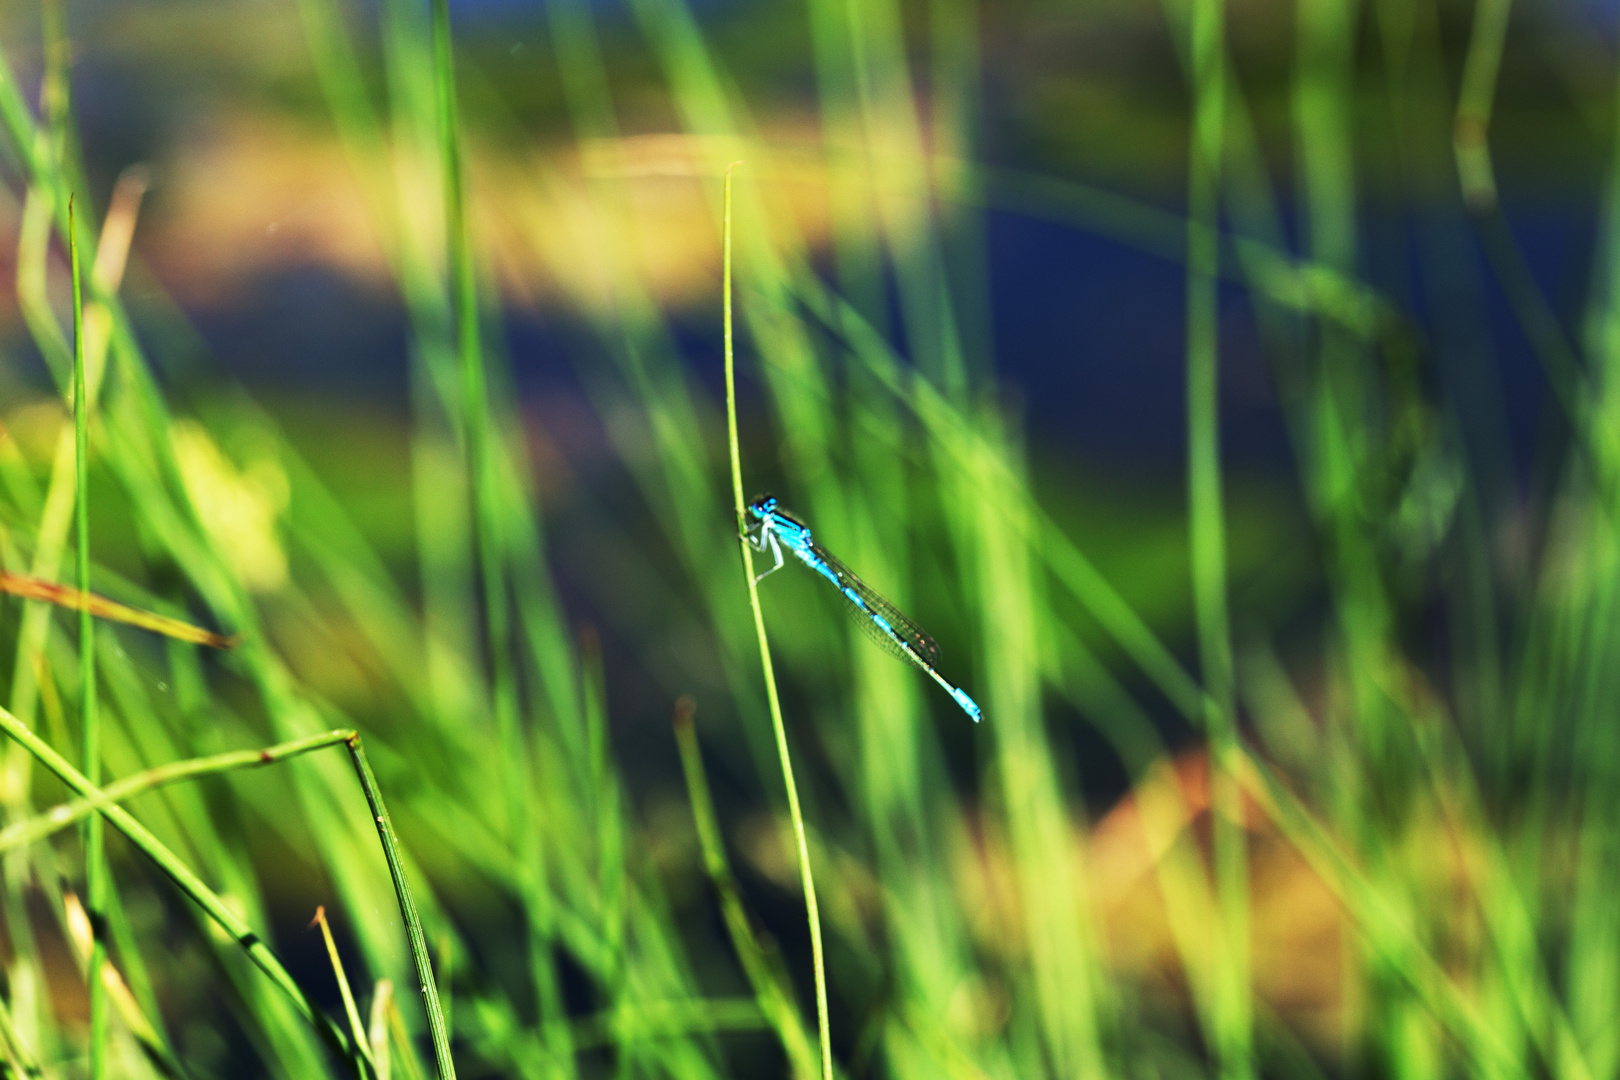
760 536
768 536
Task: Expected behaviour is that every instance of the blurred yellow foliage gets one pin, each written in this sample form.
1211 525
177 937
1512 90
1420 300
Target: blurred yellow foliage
254 193
239 507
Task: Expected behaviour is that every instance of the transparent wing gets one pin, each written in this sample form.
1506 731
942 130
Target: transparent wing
904 630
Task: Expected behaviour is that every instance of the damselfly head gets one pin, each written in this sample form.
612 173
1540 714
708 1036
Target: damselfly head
761 506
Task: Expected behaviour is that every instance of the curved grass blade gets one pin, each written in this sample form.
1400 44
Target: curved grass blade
778 727
189 883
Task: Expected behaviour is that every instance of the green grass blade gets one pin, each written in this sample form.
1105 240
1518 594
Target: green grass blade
32 830
773 997
407 907
188 882
96 870
777 725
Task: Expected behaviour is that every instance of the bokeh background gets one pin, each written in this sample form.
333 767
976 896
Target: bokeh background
1227 386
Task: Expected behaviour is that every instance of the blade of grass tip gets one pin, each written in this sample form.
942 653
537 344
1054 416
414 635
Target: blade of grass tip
184 878
360 1037
118 992
95 871
377 1028
774 999
93 604
1469 142
407 909
403 1042
118 230
107 268
33 297
771 697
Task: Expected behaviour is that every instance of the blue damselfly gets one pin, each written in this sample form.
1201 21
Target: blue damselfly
772 528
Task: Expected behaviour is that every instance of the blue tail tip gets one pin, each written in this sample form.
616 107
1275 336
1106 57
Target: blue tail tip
969 706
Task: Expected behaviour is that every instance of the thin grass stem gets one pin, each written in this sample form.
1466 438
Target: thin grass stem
95 871
32 830
772 698
361 1039
407 909
377 1028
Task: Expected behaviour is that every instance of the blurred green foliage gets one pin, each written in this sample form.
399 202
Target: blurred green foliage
1356 812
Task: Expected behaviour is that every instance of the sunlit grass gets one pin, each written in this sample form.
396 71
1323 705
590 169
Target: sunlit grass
1428 813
